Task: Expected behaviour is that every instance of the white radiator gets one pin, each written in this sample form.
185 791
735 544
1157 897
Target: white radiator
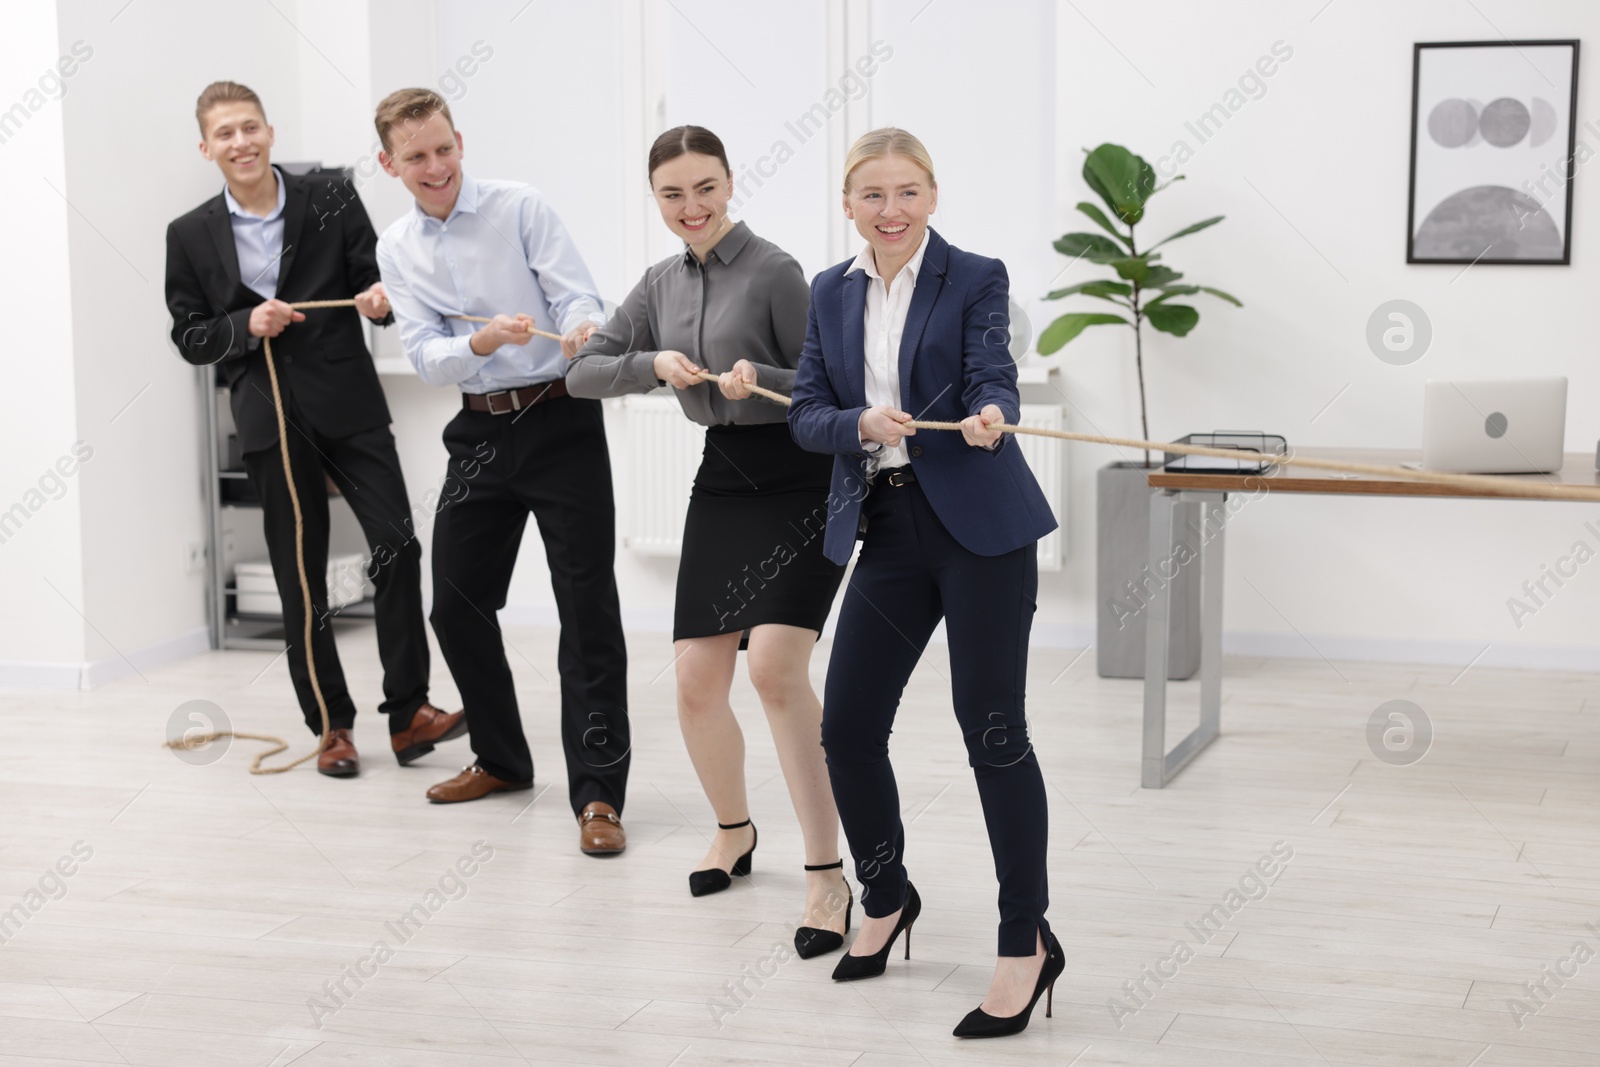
1047 458
661 452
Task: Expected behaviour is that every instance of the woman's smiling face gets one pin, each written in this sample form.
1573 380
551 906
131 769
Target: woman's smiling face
692 191
890 199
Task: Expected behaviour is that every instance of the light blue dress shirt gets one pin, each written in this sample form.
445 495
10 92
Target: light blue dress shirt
258 241
503 250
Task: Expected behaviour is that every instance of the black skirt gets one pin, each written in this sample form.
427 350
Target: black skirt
752 542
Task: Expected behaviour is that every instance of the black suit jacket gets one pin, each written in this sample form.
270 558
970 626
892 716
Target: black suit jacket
329 253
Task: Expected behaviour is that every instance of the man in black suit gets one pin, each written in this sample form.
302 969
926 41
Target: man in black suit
234 265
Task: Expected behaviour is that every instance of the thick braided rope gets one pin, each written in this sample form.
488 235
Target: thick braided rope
1486 482
305 585
200 740
536 332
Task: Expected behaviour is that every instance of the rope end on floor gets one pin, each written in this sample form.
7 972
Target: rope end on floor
189 742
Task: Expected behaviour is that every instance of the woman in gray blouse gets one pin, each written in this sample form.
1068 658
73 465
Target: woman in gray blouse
752 574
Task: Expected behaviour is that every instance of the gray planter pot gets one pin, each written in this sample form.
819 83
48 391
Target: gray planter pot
1124 583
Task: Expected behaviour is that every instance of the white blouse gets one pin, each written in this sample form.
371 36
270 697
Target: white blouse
885 322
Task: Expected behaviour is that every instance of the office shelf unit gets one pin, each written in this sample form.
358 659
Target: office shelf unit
227 488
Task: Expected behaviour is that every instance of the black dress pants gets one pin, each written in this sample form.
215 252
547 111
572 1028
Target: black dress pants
366 469
549 460
911 573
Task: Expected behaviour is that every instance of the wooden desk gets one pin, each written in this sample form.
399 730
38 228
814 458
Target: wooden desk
1210 492
1578 469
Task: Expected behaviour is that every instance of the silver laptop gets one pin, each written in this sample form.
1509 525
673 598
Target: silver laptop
1496 426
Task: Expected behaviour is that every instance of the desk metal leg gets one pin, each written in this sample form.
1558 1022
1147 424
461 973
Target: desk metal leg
1155 642
1213 551
1160 766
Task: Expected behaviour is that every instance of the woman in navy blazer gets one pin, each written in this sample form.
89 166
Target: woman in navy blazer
948 524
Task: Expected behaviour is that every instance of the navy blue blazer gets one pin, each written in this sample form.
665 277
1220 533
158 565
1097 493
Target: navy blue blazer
953 362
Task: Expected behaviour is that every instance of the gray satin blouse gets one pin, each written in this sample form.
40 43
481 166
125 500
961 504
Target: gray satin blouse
748 300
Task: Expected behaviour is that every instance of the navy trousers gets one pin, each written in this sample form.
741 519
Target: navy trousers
911 573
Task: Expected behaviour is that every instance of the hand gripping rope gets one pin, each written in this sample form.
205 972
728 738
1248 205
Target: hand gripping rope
1489 483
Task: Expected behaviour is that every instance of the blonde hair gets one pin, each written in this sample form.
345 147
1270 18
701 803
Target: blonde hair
224 93
887 141
405 106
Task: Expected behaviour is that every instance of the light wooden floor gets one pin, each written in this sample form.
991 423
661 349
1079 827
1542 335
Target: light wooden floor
216 904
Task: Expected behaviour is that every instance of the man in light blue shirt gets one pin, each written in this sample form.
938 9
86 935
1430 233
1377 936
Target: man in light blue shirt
499 247
497 250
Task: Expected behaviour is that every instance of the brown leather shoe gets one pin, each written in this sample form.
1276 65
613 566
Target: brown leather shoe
472 783
429 726
338 758
600 831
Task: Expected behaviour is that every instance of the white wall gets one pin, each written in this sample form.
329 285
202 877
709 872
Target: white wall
1006 109
41 636
1325 151
1312 177
718 65
120 146
131 166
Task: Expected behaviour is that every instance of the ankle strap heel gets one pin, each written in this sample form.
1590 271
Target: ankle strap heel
715 880
812 941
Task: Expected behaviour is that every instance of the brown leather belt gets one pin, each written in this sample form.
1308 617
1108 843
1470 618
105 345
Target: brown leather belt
506 401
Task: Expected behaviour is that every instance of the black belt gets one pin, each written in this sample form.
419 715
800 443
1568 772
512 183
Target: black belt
506 401
898 476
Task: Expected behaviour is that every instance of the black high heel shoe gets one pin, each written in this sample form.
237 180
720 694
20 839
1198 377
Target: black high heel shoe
810 941
716 879
980 1023
853 967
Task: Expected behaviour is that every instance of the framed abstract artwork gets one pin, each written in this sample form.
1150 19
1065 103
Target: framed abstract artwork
1493 125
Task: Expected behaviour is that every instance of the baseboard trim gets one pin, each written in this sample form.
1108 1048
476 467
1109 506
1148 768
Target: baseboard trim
1363 649
21 674
179 646
25 674
1344 647
1338 647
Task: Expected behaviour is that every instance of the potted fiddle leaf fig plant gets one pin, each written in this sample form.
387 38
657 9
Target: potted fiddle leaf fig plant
1144 290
